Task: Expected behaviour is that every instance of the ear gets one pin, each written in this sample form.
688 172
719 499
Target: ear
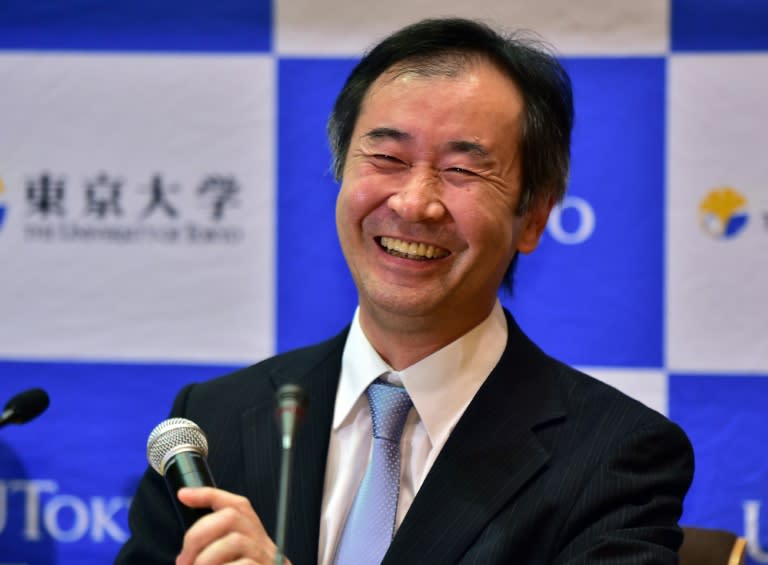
534 222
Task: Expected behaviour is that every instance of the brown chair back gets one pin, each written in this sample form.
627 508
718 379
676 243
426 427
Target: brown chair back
702 546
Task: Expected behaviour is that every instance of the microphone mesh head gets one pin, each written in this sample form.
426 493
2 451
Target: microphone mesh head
173 436
28 405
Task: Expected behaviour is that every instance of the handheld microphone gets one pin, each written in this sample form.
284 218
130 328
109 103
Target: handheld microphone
24 407
290 403
177 449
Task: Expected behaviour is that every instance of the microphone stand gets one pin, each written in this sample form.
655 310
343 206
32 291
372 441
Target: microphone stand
291 400
283 498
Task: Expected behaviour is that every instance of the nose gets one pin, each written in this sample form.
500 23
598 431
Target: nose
419 200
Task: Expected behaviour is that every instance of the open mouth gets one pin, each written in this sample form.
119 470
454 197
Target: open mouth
411 250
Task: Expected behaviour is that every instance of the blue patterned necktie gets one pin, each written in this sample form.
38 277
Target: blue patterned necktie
371 522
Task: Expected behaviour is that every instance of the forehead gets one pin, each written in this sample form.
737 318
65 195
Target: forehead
470 93
457 68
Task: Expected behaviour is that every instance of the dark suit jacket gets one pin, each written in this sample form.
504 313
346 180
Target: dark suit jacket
547 465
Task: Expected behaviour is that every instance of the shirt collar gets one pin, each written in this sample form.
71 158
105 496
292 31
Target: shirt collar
441 385
360 366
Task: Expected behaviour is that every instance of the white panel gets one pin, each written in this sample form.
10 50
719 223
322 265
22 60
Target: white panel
165 294
717 312
308 27
646 385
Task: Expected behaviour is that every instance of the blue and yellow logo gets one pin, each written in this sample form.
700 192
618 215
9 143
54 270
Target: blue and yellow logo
723 213
2 203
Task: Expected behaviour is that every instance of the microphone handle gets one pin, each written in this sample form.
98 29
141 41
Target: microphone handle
187 469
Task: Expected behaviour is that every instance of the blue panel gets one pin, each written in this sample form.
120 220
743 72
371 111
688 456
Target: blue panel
84 455
142 25
719 25
726 419
315 294
600 302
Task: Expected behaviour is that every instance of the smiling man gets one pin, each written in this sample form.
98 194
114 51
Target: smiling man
427 213
438 432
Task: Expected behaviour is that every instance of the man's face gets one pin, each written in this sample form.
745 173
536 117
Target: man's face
426 211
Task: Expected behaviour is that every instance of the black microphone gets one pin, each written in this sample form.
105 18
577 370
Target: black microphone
290 403
177 449
24 407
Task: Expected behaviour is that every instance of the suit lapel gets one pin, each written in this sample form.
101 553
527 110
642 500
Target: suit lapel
318 374
491 454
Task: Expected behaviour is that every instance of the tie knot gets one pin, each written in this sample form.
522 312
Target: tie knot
390 405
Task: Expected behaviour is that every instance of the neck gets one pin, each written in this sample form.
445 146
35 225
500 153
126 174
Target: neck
402 340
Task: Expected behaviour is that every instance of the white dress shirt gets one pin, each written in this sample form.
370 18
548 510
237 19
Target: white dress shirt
441 387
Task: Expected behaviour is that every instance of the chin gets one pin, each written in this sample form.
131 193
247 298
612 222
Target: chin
407 304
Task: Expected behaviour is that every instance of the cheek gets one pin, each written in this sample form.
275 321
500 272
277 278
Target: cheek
345 227
356 201
488 226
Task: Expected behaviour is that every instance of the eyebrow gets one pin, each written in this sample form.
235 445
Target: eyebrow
457 146
387 133
469 147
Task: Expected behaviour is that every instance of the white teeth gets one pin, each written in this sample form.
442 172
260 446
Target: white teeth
412 250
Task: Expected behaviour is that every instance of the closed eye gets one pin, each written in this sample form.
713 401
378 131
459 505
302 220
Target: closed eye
387 163
385 157
460 170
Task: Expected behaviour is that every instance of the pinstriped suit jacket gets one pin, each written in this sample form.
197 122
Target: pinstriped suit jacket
547 465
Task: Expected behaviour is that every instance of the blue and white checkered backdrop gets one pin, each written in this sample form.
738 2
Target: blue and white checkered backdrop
167 214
